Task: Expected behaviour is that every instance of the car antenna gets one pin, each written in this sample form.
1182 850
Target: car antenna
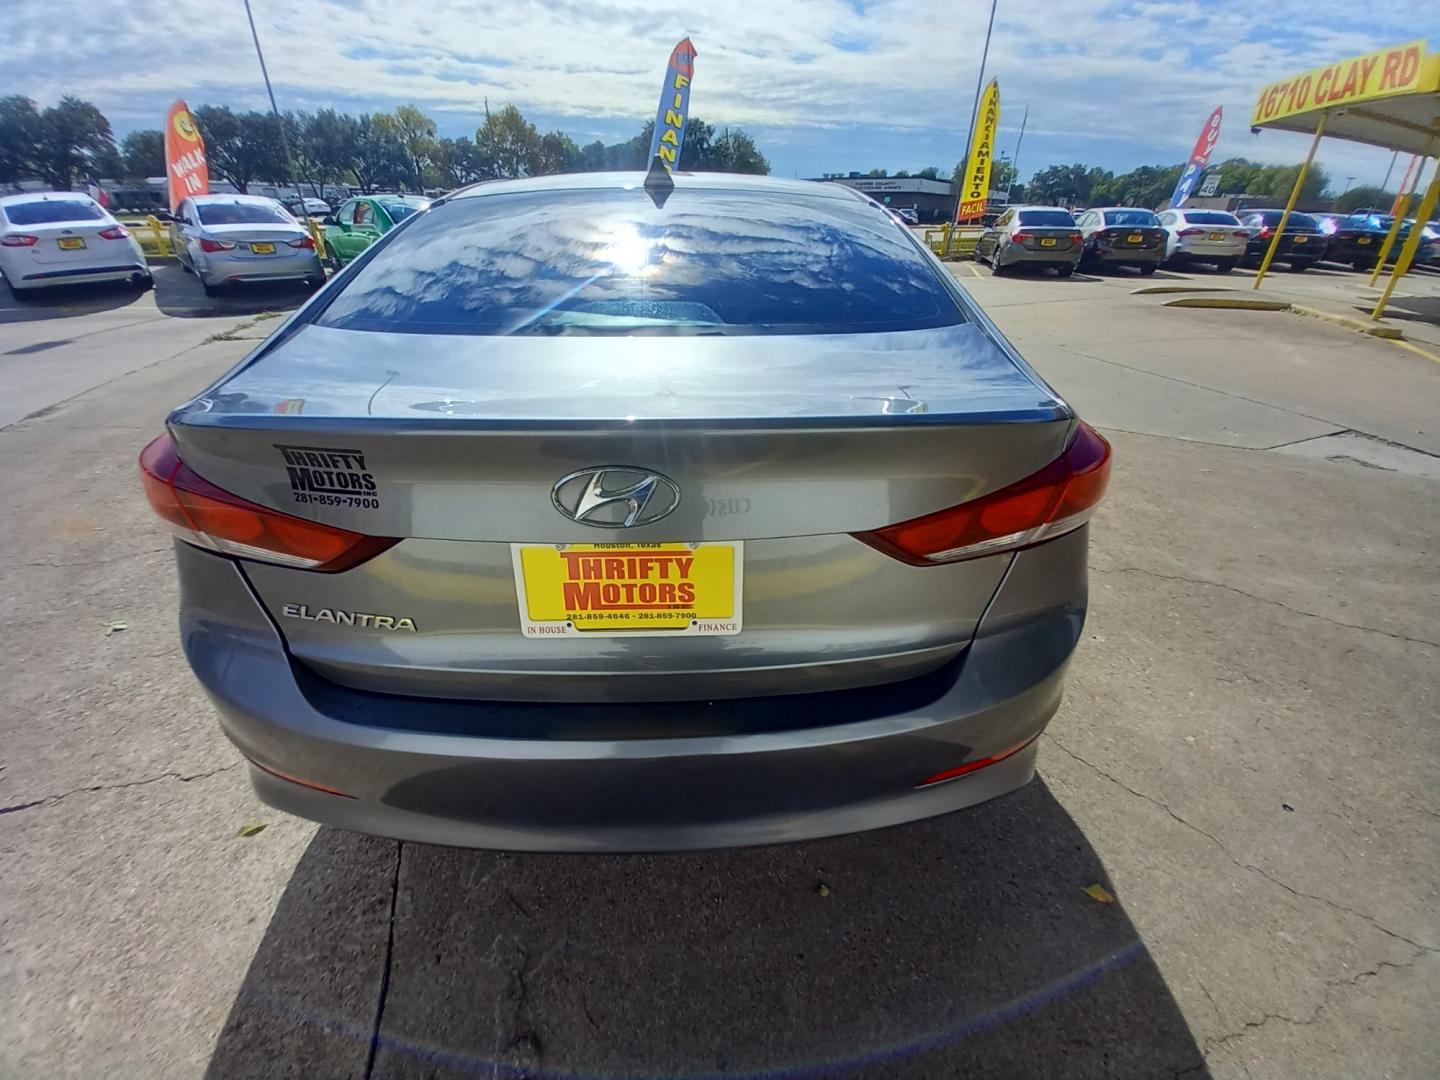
659 183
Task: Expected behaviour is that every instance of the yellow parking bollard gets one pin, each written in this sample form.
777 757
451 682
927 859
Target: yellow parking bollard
162 247
318 235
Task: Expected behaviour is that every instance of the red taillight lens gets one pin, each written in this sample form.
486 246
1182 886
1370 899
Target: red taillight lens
307 242
213 518
1076 238
1241 234
115 232
206 244
1056 500
1190 232
1265 232
19 240
1021 237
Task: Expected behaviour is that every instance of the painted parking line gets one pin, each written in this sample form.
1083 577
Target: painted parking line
974 269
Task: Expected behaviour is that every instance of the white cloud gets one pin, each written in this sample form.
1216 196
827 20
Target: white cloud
1138 78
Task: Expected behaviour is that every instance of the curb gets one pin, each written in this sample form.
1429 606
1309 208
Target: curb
1155 290
1236 303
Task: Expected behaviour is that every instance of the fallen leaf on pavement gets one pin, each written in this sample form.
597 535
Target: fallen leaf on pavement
823 889
251 828
115 628
1100 893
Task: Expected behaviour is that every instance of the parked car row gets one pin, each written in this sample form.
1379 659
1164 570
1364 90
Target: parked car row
59 237
1131 236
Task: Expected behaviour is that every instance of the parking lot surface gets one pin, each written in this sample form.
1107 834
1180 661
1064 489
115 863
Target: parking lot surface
1245 762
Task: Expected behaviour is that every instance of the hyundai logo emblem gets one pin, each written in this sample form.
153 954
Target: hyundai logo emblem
615 496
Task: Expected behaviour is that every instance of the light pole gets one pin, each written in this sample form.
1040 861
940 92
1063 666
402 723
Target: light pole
1015 160
279 120
1348 181
979 79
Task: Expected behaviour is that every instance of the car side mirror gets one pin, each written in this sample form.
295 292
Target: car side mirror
329 219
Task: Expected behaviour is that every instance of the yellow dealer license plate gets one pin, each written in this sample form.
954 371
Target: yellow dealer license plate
1135 238
1047 241
568 590
1217 236
1362 240
263 249
1302 239
71 243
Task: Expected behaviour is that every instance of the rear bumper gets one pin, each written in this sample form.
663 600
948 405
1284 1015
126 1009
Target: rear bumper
644 776
1209 251
225 271
1128 256
79 275
1011 255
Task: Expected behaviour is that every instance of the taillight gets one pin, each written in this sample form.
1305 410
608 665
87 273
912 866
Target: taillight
19 240
210 517
1056 500
1265 232
1076 238
206 244
1241 234
307 242
1022 237
115 232
1190 232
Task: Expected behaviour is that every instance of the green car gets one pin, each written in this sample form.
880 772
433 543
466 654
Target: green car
361 221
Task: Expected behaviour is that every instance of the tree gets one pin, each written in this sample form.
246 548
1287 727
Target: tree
902 174
878 172
378 159
509 140
414 132
929 172
144 154
73 141
556 153
19 138
736 152
1064 184
1364 195
242 147
322 146
458 162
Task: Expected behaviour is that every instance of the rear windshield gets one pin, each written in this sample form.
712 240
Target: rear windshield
47 211
711 261
1131 217
1210 217
1057 218
242 214
1297 220
399 211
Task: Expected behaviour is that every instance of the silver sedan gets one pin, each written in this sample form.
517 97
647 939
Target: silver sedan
590 513
230 239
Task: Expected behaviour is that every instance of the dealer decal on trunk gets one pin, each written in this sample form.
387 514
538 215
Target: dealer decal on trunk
329 476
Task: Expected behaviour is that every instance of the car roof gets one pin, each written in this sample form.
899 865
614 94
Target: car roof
232 197
46 196
1038 206
1106 209
620 181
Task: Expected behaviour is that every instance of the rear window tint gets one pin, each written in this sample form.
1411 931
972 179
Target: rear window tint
1041 218
711 261
50 211
1136 218
242 214
1210 217
1297 220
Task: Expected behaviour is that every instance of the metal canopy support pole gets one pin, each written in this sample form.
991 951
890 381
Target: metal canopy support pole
1408 184
1412 242
1289 206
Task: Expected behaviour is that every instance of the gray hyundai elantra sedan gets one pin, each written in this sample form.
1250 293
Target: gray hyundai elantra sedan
618 513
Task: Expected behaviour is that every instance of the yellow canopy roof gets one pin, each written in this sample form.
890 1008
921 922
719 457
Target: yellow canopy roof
1389 98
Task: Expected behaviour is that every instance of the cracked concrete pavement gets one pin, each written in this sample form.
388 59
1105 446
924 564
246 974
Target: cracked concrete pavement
1245 758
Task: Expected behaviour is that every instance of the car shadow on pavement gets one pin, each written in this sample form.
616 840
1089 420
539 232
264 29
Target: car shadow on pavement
67 301
180 296
961 946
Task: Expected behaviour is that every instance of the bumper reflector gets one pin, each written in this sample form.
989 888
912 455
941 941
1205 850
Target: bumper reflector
976 765
303 783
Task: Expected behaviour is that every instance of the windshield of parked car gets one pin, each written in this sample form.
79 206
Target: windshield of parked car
1041 218
399 211
242 214
609 260
46 211
1131 217
1210 217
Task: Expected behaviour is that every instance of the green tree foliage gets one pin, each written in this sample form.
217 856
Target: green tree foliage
1364 195
510 141
415 133
1149 186
19 137
378 159
1239 176
1063 185
556 152
929 172
458 162
322 147
73 142
144 154
242 148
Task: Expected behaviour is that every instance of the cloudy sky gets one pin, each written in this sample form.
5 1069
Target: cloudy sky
824 85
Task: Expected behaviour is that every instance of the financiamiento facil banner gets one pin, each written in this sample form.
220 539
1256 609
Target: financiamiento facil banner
976 183
669 137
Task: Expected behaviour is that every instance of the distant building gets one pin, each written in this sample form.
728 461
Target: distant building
932 200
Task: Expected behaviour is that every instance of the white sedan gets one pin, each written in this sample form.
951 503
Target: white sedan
65 238
1210 236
